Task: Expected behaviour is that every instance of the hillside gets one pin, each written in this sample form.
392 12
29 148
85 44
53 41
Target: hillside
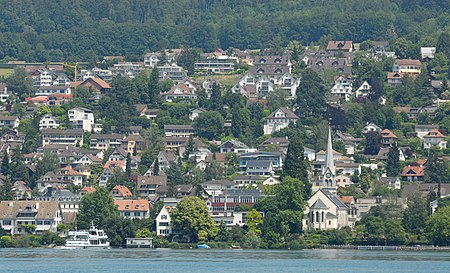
55 30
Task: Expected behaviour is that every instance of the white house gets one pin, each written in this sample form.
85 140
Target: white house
163 222
434 138
342 89
48 122
81 118
278 120
10 122
44 215
363 90
371 127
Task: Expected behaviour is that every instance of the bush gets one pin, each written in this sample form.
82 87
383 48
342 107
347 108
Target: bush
6 241
50 238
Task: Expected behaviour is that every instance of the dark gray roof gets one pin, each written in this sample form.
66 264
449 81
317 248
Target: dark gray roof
220 182
254 193
319 205
335 199
258 163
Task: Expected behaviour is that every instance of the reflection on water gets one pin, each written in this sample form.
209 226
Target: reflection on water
210 260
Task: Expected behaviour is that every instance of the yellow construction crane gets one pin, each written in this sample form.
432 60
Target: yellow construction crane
75 76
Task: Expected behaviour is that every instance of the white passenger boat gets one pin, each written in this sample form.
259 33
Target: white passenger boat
87 238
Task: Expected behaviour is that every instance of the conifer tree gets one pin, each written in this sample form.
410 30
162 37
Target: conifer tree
5 164
393 161
294 165
128 165
156 167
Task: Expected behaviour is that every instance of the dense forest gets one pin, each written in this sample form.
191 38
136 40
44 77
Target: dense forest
37 30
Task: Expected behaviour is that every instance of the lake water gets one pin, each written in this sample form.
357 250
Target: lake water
212 260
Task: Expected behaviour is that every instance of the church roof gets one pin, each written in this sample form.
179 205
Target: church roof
319 205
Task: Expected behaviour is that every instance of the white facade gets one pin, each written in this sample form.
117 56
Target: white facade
81 118
163 222
48 122
342 89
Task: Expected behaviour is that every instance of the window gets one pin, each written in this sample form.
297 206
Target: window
137 213
163 224
47 223
6 222
164 217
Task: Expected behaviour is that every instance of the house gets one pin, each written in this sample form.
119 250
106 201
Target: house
43 215
133 144
121 192
259 167
325 210
217 187
235 146
165 158
278 120
172 72
423 129
395 78
56 136
343 46
349 141
148 185
280 144
248 181
364 90
151 59
68 201
48 122
273 157
427 53
342 89
231 198
86 190
50 178
12 136
96 84
42 77
371 127
413 172
164 222
410 67
81 118
173 143
9 122
193 114
178 130
69 174
128 69
270 181
434 138
388 138
105 141
392 183
54 89
214 65
133 209
343 180
179 92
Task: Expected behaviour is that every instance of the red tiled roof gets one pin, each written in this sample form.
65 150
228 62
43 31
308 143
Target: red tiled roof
88 189
132 205
434 134
124 191
114 164
413 171
387 134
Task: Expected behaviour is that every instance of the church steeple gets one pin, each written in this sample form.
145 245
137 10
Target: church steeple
329 160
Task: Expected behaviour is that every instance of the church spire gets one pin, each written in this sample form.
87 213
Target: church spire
329 160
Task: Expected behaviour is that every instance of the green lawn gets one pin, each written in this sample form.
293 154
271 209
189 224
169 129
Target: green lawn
225 80
6 72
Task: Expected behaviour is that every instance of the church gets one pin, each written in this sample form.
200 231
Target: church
325 209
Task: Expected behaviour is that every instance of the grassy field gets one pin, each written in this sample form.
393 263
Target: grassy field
4 72
225 80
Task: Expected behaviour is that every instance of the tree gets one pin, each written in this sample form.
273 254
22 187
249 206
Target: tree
156 168
49 163
372 143
295 165
20 82
438 227
443 44
153 87
5 164
223 234
189 148
311 95
216 102
96 207
254 221
393 161
128 165
190 217
6 189
415 215
143 233
290 194
209 125
187 59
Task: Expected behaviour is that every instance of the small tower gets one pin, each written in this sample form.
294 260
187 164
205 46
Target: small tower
329 171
